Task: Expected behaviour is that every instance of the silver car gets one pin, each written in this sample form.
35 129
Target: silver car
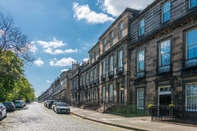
20 103
62 107
3 111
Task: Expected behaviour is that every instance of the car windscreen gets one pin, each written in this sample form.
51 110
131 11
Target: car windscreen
61 104
7 103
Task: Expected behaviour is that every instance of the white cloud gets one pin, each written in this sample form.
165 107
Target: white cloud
52 44
48 81
63 62
58 51
38 62
64 70
84 12
116 7
33 48
71 51
85 59
48 50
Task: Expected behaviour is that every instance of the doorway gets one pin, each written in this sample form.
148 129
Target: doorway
164 99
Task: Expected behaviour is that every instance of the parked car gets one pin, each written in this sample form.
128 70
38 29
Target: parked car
45 102
53 105
3 111
20 103
9 106
50 103
62 107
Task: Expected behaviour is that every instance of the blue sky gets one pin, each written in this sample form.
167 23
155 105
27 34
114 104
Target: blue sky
62 31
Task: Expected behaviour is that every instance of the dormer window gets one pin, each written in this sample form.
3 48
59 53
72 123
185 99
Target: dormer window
111 37
166 12
120 30
141 29
104 44
192 3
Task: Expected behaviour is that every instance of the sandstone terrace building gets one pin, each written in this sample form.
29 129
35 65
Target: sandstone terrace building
145 57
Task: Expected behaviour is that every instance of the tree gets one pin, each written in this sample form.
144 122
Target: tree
9 77
15 51
12 38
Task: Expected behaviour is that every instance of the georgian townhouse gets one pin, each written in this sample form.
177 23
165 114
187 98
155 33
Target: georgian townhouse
65 90
84 82
89 79
113 60
75 96
55 89
163 54
93 91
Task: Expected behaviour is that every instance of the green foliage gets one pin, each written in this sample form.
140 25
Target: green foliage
171 105
13 84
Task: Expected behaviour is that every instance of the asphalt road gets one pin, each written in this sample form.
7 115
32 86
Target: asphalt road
36 117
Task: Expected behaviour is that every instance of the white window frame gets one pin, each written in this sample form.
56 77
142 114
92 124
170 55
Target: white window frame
139 61
140 98
192 97
111 37
120 27
168 41
95 73
142 27
111 93
195 43
104 44
165 12
111 63
103 68
120 58
104 93
87 79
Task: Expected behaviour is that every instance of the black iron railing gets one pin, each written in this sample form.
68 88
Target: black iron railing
190 62
164 69
119 71
175 113
140 74
103 77
110 74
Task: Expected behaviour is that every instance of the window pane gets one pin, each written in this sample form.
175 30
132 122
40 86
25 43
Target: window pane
192 37
165 59
111 92
111 64
103 93
166 7
191 96
193 3
166 12
142 31
192 44
120 59
141 61
192 51
166 16
141 66
140 98
165 53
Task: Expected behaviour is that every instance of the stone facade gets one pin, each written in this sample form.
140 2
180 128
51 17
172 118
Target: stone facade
164 79
147 57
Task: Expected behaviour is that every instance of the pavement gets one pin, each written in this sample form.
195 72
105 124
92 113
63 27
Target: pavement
133 123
